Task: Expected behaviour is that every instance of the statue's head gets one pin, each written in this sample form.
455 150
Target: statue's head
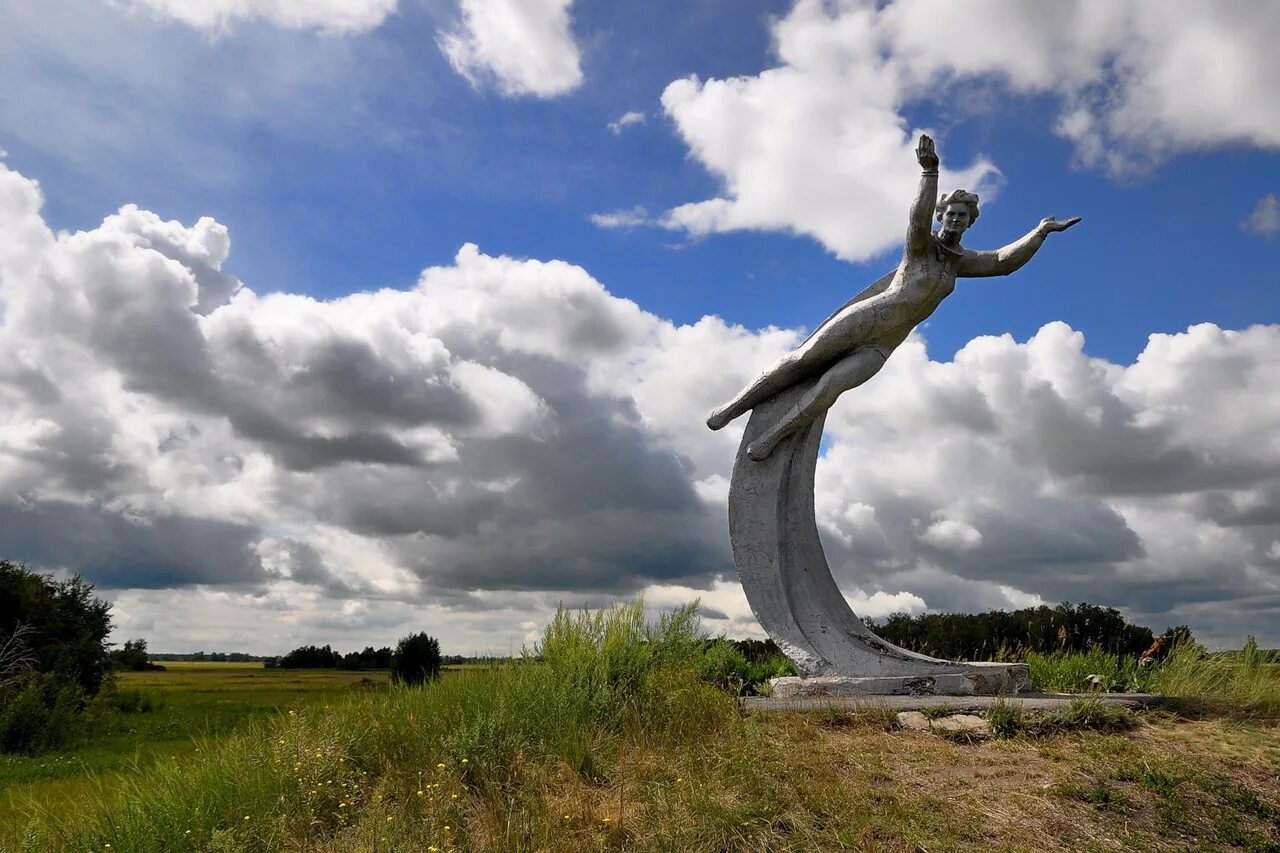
957 211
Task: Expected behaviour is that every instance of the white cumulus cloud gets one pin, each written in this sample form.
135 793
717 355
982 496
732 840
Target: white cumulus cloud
1265 219
820 144
505 434
951 533
525 47
626 120
620 218
329 15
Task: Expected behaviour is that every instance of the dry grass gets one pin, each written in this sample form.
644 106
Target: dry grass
826 781
606 743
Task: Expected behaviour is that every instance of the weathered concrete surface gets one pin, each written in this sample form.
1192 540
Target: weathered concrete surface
788 583
959 704
981 679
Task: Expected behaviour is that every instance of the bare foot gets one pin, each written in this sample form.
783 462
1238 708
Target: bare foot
760 449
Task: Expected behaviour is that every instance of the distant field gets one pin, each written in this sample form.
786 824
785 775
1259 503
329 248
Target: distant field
194 701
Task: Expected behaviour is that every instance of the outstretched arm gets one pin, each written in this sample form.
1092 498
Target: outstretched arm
1005 260
926 198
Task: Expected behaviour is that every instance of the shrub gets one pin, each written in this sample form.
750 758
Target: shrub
53 657
45 713
724 666
416 659
67 624
1005 720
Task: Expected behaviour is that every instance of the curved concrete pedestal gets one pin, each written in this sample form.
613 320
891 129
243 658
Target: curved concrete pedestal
788 583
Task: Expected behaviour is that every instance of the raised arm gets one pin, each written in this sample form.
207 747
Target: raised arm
1011 257
922 208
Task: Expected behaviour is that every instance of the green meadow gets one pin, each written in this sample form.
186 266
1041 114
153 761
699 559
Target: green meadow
620 736
174 712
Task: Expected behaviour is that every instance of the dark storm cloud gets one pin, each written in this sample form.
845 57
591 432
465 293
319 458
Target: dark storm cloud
118 552
592 505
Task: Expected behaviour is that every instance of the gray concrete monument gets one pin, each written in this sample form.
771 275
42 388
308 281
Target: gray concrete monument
776 548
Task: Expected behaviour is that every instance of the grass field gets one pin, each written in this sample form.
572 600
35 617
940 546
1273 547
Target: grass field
192 702
609 742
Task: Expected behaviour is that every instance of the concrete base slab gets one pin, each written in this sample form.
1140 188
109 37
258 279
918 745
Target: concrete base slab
898 702
969 679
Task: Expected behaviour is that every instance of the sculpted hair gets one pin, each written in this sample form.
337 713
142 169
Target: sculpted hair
959 197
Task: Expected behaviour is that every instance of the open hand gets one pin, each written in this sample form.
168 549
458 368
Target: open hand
1049 224
926 156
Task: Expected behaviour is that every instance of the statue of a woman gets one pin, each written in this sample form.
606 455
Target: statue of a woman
851 346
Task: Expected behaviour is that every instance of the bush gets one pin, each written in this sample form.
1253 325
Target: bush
67 625
134 702
724 664
45 713
53 658
416 659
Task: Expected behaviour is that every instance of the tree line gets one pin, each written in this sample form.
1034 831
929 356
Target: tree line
58 671
415 659
1009 634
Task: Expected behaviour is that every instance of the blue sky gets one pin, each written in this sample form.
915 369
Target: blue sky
348 157
397 165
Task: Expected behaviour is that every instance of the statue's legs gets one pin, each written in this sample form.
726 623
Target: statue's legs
786 372
849 372
835 340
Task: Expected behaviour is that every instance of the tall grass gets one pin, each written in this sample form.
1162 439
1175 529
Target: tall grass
593 682
602 736
1070 672
1247 682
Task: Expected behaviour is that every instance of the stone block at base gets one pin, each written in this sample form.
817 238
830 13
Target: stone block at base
975 679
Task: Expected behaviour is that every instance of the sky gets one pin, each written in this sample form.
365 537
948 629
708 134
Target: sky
327 321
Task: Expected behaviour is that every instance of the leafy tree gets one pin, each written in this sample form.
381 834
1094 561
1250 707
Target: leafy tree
65 625
1008 634
53 657
370 658
132 656
310 657
416 659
